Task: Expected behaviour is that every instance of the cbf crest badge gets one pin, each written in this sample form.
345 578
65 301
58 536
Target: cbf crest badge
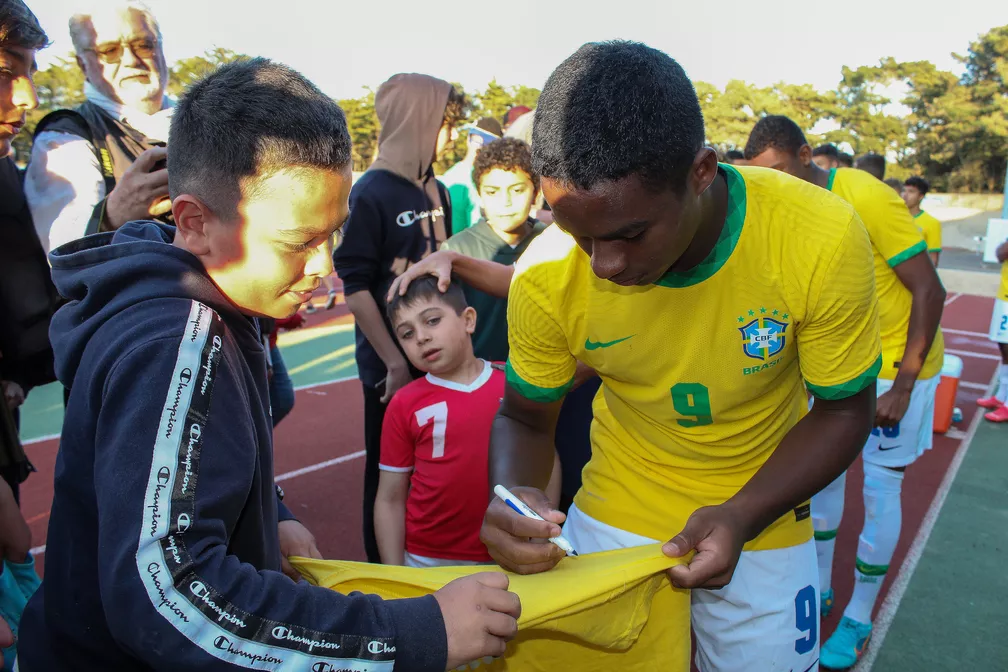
765 335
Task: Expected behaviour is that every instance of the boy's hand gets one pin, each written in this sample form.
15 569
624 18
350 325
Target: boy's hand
438 264
480 616
13 395
295 539
398 377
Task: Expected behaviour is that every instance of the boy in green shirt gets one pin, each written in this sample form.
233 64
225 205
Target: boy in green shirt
507 186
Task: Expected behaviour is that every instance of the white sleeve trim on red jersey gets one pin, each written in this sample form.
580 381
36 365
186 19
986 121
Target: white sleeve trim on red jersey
458 387
400 470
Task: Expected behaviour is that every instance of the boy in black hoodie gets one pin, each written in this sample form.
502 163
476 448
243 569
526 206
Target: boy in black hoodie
399 213
164 547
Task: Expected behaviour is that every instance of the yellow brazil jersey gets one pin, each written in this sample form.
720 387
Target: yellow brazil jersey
930 227
1003 289
705 371
894 239
594 613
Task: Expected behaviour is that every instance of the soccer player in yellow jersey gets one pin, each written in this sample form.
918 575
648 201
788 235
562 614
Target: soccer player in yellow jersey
708 298
998 410
914 191
910 303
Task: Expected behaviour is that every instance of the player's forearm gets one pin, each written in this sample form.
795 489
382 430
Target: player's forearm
811 456
368 316
520 454
925 317
488 277
390 531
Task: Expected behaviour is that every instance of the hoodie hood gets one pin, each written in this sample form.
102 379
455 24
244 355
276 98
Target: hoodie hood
124 276
410 108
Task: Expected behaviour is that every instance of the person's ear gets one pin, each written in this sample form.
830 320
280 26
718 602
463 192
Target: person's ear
703 171
469 317
192 217
805 155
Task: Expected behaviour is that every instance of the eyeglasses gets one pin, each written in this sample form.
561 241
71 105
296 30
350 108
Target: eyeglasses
112 52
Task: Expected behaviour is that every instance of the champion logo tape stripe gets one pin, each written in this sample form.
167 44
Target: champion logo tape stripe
180 596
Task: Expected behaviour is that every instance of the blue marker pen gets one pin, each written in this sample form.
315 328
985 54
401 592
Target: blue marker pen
523 508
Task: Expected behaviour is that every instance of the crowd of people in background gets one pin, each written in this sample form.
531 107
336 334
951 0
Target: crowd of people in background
131 276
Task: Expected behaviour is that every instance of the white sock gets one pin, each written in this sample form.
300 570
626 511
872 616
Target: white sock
1002 391
827 511
883 518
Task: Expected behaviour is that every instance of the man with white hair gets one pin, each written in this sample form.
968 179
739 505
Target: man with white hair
99 166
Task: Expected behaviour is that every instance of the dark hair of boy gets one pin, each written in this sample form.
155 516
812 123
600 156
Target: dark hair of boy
918 183
210 159
777 132
510 154
826 150
733 155
846 160
583 134
873 164
19 27
426 289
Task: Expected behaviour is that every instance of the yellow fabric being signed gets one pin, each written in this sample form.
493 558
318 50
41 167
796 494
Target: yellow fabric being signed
605 611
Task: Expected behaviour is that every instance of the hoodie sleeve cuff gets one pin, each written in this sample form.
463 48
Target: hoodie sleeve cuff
283 513
420 640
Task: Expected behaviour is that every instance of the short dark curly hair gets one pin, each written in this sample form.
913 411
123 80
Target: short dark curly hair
510 154
615 109
774 131
918 183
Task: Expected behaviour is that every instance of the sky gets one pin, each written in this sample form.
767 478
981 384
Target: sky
344 46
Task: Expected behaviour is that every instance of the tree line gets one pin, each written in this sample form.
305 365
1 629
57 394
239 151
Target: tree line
953 129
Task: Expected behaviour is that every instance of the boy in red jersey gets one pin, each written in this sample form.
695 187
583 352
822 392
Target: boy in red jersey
433 487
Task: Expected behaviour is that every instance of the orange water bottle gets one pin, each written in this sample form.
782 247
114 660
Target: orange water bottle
945 396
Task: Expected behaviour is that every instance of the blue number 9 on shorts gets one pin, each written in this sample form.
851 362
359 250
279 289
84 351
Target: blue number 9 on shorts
806 619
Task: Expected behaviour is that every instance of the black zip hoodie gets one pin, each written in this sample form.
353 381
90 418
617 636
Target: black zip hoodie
399 212
162 551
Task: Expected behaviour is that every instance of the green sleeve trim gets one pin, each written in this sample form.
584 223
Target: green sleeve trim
848 389
906 254
829 182
824 535
543 395
870 570
934 249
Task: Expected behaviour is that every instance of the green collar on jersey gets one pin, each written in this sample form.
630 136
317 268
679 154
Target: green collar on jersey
832 176
726 241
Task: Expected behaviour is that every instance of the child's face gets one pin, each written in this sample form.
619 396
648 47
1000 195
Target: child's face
278 248
436 338
17 92
911 196
507 197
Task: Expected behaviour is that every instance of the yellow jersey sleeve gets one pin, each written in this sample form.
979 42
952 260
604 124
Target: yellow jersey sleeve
839 346
889 223
931 228
540 365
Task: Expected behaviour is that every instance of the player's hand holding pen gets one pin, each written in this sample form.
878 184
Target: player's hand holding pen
519 542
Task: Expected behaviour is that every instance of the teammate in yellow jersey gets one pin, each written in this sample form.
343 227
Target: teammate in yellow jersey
913 192
910 303
708 298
